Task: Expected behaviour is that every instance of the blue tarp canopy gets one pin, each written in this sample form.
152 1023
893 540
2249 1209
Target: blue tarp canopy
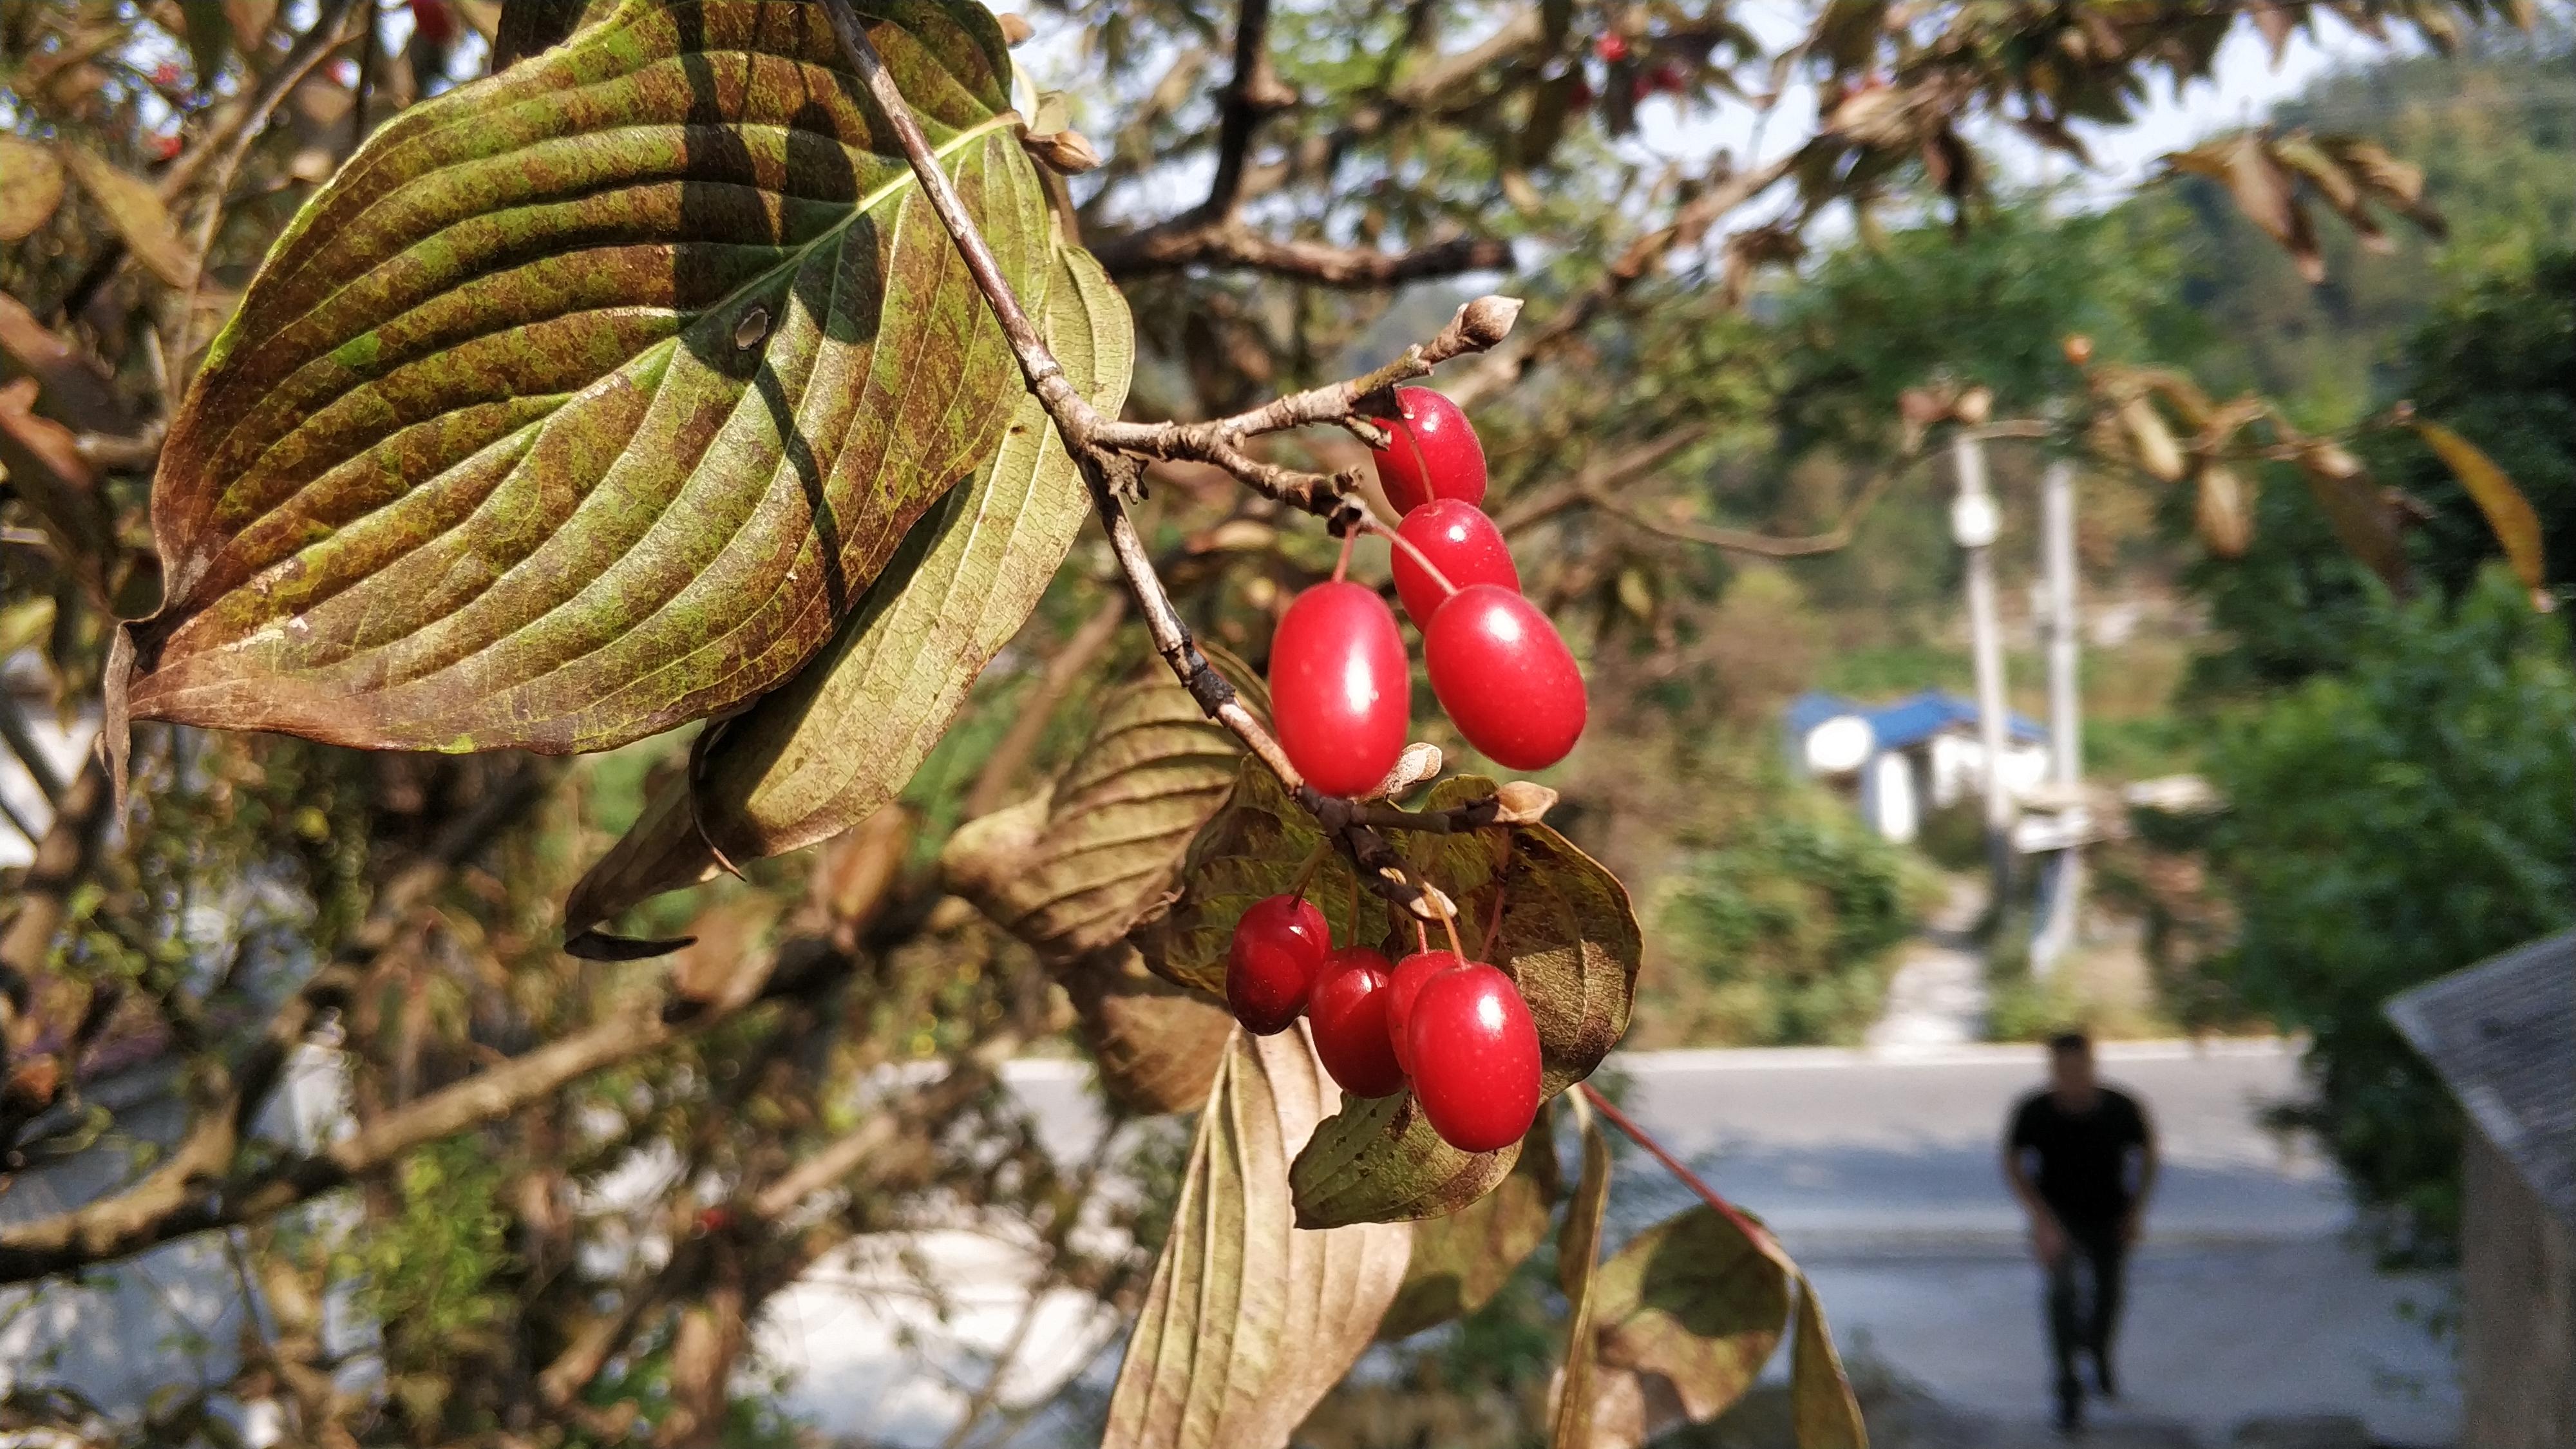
1903 723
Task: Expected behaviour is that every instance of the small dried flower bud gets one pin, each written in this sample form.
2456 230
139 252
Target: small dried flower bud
2079 349
1487 320
1523 802
1975 406
1014 29
1069 152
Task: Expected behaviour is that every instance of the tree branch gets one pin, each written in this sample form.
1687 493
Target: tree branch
1739 540
1228 243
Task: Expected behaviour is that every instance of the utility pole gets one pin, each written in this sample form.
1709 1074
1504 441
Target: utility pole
2065 722
1974 523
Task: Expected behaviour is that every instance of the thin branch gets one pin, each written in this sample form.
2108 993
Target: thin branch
1254 93
22 743
1229 243
1031 715
1754 1232
1739 540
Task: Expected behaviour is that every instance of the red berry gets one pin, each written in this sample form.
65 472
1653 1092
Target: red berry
433 21
1341 687
1270 965
1612 48
166 147
1475 1058
1404 988
714 1219
1506 679
166 75
1347 1011
1462 543
1433 453
1670 77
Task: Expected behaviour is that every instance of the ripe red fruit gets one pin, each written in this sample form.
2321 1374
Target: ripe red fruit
1475 1058
1669 77
1462 543
1347 1011
433 21
1404 988
1341 687
1612 48
166 148
1270 964
1506 679
1433 453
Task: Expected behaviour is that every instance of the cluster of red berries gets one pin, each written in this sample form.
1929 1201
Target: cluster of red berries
1340 680
1456 1029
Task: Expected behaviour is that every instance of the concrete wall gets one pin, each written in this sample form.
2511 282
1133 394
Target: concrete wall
2517 1311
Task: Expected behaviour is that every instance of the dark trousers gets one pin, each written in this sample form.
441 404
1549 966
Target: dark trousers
2084 1296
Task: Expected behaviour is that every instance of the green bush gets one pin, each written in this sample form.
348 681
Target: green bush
1780 935
2389 824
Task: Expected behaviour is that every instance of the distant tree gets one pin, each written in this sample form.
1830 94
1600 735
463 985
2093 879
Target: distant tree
2398 819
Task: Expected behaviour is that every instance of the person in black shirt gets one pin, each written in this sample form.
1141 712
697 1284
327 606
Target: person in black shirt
2081 1158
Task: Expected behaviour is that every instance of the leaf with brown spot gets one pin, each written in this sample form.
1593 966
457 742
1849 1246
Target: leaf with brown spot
1462 1260
2508 513
843 737
1693 1308
1250 1320
31 187
478 464
1379 1161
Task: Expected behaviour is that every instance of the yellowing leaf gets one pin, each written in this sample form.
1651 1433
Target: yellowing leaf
1822 1411
134 208
1250 1320
589 397
1462 1260
31 187
2357 509
1694 1308
2509 514
1157 1046
2158 453
2222 512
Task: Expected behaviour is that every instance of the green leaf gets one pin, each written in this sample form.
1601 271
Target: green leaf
1378 1160
1822 1409
589 397
1578 1254
1693 1308
2509 514
842 738
1249 1320
1461 1261
1258 844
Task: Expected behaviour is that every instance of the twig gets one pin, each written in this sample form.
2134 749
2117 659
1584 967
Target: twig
1754 1232
1109 454
1739 540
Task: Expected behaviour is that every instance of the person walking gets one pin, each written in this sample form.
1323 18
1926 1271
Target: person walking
2081 1157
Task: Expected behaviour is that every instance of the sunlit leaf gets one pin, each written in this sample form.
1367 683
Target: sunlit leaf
835 743
587 398
2509 514
1249 1320
31 187
2157 450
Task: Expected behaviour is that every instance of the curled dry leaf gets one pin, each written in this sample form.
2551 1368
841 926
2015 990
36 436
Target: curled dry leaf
1823 1412
2158 451
2357 508
840 739
1524 802
1068 152
2222 513
1249 1320
478 464
31 187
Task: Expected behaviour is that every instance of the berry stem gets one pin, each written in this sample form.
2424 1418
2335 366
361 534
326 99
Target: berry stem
1754 1232
1306 876
1342 565
1398 540
1449 923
